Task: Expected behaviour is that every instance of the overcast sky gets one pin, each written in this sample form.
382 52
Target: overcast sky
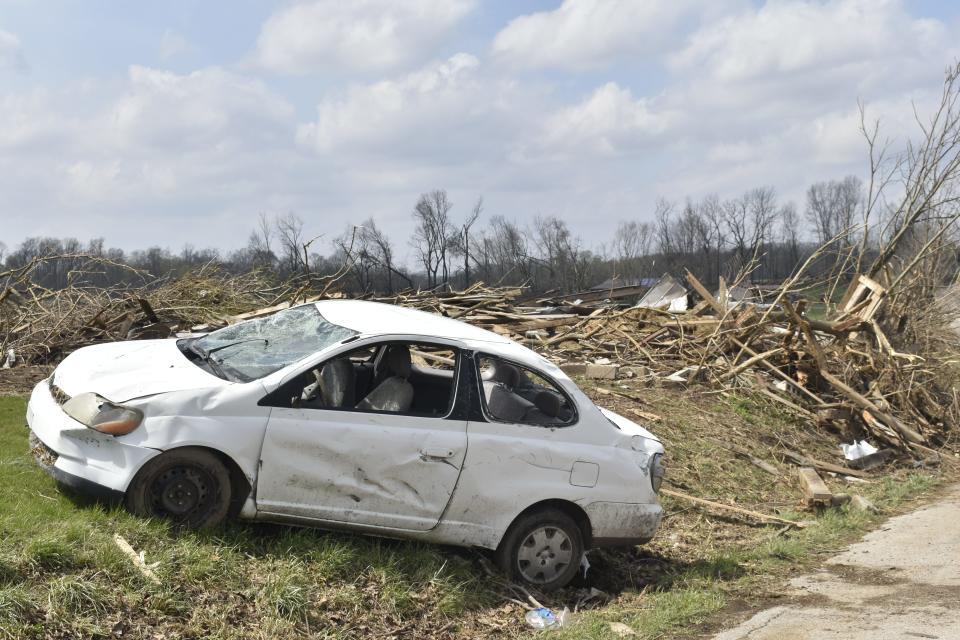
177 121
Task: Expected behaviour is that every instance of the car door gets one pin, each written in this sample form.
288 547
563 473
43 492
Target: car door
519 453
361 467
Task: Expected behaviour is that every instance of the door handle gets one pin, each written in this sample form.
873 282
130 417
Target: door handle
437 453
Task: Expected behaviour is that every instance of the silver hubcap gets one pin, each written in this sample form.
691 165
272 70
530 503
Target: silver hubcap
544 554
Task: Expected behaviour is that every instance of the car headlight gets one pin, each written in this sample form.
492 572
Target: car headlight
102 415
657 470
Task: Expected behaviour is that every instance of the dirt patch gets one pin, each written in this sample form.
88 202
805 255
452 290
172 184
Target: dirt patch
20 380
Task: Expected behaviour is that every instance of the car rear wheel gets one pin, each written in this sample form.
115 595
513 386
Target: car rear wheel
542 548
189 487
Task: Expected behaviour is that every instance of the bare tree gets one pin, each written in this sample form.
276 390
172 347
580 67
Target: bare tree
260 243
931 193
662 216
711 213
461 240
832 207
507 252
631 245
431 236
290 234
748 220
790 235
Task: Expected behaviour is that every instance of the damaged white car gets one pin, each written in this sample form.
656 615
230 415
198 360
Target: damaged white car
361 416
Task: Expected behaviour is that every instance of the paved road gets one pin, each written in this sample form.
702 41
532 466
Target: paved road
901 581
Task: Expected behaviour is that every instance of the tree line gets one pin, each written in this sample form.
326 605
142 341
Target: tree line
754 236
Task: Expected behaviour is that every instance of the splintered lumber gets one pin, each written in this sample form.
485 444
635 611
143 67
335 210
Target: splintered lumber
644 415
749 362
706 295
763 517
817 493
906 432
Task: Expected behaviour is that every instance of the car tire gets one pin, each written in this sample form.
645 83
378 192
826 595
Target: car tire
542 548
189 487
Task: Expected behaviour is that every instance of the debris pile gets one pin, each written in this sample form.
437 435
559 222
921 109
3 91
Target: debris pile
843 373
39 325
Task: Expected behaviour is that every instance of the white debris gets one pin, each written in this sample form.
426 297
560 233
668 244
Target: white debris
858 450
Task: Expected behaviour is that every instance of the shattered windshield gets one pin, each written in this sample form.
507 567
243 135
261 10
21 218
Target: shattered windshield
258 347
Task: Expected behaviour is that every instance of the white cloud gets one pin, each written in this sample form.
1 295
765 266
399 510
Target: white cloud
844 39
446 106
359 35
173 44
585 34
177 144
11 52
608 121
206 107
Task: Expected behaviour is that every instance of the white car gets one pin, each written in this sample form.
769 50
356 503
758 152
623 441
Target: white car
355 415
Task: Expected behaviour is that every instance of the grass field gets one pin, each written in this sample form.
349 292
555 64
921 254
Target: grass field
62 576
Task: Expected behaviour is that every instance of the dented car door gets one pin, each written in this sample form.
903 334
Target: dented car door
374 469
360 467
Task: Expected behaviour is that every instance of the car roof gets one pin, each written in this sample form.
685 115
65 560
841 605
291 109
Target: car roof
375 318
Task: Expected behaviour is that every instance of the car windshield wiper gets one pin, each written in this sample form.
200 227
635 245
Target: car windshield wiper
233 344
205 356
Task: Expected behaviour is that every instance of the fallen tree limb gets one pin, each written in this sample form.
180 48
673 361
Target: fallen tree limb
766 519
807 461
135 558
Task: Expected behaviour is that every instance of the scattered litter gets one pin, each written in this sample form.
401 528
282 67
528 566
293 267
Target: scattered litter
544 618
10 360
584 564
857 450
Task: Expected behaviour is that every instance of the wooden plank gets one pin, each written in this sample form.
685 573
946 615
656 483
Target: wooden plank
706 295
767 519
817 493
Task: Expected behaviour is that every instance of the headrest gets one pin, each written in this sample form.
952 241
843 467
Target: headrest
336 381
548 402
398 361
506 374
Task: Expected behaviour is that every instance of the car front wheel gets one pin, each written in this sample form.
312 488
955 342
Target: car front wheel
189 487
542 548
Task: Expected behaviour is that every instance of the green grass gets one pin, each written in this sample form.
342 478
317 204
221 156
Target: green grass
61 575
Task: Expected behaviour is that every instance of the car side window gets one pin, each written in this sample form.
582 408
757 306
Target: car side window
518 394
395 377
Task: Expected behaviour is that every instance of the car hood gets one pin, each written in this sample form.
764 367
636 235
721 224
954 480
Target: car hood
121 371
629 427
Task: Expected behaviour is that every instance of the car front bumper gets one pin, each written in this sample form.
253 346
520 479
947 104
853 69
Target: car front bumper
77 456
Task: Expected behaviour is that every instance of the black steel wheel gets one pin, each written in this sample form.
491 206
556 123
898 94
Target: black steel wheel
190 487
542 548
